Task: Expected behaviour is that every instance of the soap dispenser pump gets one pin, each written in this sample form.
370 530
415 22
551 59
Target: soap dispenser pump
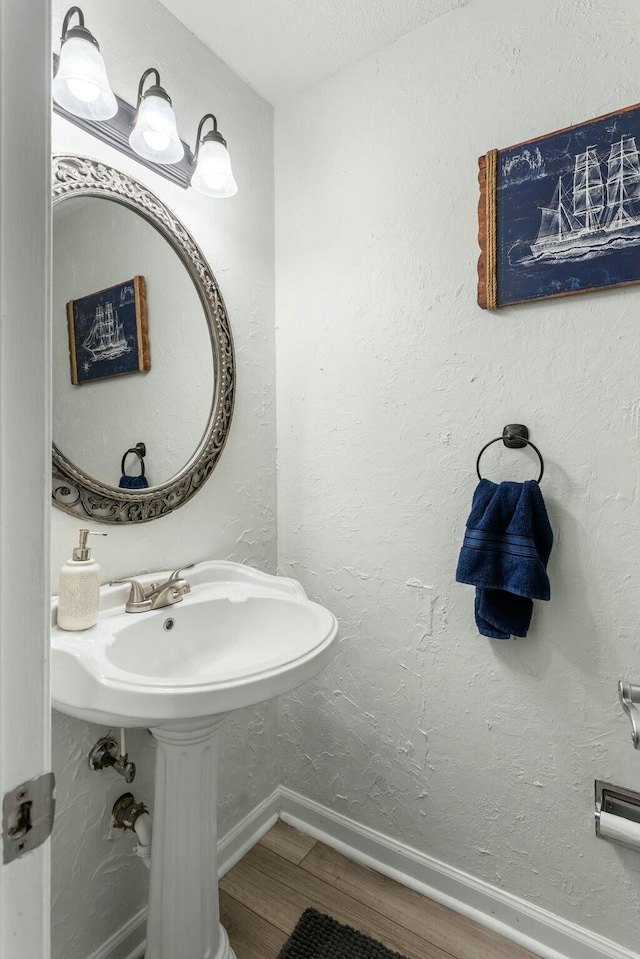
79 590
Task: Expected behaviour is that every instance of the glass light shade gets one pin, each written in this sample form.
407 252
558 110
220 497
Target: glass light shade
155 135
213 175
81 85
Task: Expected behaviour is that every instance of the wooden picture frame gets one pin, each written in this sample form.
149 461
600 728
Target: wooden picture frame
559 214
108 332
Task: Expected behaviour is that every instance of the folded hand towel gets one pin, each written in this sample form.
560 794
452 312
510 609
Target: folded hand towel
505 554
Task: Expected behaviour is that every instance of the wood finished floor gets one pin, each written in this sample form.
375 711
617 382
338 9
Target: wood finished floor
264 895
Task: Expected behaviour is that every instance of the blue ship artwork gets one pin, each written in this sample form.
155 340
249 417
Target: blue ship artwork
567 211
108 332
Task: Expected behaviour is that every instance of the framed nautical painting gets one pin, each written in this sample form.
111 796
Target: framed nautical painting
560 214
108 333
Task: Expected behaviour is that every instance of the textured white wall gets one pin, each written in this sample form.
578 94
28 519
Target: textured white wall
98 885
480 753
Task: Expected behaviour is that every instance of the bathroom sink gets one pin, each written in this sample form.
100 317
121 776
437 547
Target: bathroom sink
238 638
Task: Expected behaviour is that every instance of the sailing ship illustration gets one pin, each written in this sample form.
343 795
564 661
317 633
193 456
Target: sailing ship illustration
106 339
596 214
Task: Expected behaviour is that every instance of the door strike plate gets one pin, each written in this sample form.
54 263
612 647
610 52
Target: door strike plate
27 816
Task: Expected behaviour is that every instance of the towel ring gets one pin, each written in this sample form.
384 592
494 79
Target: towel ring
514 439
139 450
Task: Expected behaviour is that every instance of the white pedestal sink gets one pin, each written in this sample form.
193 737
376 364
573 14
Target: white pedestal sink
240 637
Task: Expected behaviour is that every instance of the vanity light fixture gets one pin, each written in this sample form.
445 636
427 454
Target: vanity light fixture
155 134
213 175
80 85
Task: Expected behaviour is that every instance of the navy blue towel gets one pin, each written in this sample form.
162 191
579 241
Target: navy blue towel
133 482
505 553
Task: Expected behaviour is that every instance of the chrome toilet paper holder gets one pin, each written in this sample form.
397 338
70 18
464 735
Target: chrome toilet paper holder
630 698
617 801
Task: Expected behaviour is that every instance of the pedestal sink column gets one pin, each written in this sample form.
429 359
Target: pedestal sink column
184 913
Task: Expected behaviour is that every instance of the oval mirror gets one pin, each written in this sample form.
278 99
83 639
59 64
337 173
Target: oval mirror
143 367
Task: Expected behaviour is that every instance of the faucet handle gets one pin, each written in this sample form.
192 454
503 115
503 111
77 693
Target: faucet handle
137 594
176 573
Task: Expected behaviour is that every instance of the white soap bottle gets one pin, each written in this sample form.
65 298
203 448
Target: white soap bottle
79 590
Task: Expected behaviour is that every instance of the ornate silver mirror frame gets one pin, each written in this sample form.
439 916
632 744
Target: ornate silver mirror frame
73 490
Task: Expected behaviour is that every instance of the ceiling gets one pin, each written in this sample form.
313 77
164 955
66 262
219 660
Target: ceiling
282 46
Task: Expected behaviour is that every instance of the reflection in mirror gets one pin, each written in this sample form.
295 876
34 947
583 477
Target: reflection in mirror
99 244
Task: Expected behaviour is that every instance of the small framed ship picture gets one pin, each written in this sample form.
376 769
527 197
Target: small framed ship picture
560 214
108 333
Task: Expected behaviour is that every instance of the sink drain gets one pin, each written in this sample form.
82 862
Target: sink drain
168 624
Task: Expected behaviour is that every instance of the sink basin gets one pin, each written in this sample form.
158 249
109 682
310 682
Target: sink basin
240 637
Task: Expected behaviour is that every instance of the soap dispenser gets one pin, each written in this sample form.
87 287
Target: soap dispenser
79 590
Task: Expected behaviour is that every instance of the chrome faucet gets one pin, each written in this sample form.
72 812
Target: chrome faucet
156 595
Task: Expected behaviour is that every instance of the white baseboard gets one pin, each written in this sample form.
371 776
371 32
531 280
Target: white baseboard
236 843
129 941
541 932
